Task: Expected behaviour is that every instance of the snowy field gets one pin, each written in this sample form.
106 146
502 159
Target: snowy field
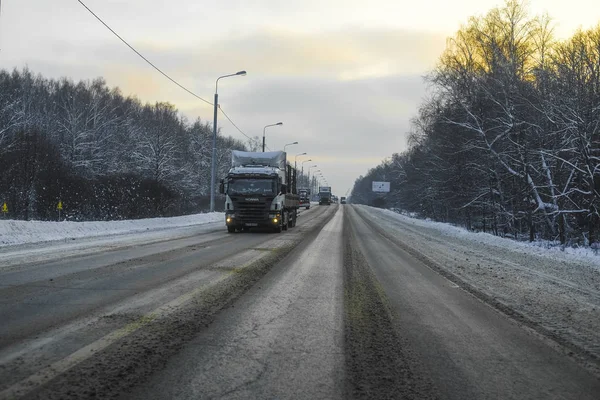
557 292
13 232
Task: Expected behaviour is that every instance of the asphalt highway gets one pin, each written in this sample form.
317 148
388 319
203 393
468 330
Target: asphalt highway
333 308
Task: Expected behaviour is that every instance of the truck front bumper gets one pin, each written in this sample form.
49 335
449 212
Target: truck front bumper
270 220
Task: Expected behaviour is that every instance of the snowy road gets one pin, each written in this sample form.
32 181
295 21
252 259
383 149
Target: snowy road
555 293
104 288
467 348
354 302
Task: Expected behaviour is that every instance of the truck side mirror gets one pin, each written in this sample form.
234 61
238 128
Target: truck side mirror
222 187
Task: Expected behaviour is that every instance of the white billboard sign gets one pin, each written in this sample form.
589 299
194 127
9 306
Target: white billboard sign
383 187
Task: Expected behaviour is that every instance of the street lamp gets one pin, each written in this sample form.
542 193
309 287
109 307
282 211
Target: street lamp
289 144
213 164
302 163
317 173
296 159
309 168
302 172
318 179
279 123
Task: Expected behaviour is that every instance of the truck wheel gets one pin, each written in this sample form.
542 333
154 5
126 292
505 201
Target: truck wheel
294 219
285 225
278 228
307 207
231 229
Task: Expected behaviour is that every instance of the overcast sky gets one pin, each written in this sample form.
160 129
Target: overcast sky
345 76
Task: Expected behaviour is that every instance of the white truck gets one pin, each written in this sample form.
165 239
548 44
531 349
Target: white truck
260 191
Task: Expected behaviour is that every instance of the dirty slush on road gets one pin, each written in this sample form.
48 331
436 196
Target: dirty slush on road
379 363
149 342
133 359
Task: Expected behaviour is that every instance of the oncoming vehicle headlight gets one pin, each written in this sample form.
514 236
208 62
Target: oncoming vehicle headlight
275 220
228 219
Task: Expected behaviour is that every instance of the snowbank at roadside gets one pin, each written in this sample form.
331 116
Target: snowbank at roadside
584 255
13 232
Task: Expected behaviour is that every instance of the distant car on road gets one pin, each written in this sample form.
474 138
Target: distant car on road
342 200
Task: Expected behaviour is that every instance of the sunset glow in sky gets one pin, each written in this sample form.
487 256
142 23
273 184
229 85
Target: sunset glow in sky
345 77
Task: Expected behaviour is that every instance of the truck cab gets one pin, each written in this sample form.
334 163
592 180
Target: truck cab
260 192
304 195
325 195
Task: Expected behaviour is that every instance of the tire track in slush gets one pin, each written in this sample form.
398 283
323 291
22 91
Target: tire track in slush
379 364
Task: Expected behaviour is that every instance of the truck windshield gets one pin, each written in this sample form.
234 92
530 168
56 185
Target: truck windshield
251 186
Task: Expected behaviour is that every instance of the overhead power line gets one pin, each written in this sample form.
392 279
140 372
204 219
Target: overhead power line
236 127
158 69
140 54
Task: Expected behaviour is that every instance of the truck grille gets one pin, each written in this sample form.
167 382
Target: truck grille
250 211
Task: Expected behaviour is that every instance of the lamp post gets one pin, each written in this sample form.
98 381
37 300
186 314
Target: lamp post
309 168
318 181
264 129
302 172
296 159
318 176
302 163
213 164
289 144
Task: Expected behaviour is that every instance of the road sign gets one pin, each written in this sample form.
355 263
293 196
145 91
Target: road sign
59 206
4 208
383 187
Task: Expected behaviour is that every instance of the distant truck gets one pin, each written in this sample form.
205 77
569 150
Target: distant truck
260 191
324 195
304 195
342 200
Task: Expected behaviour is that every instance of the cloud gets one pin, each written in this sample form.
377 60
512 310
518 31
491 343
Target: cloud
347 96
345 54
346 127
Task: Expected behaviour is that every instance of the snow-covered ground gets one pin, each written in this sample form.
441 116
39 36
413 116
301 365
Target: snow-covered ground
556 290
14 232
541 248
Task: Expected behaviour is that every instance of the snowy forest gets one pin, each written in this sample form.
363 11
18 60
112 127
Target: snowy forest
509 140
103 155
